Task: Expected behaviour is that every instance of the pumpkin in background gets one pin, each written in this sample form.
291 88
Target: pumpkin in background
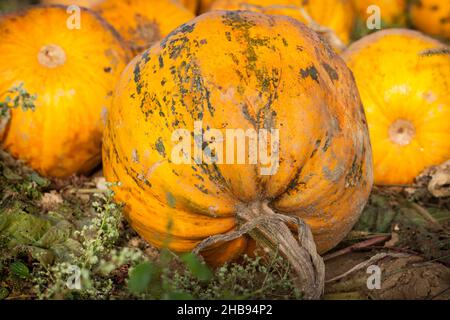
268 72
81 3
337 15
73 73
192 5
205 5
144 22
406 94
431 17
393 12
141 23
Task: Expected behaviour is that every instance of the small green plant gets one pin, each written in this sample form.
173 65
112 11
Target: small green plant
16 97
95 257
186 277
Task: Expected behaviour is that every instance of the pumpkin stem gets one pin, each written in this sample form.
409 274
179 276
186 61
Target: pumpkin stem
51 56
270 230
402 132
301 253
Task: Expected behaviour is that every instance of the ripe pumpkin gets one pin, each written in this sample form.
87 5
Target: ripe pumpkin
337 15
406 95
431 17
73 72
144 22
268 72
141 23
393 12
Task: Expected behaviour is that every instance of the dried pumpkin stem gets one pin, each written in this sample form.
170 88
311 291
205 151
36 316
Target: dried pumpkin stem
271 230
301 253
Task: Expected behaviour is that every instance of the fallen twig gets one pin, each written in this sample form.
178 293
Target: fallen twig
367 263
357 246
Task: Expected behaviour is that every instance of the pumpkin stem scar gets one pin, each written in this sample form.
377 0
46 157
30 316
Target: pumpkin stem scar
271 230
51 56
402 132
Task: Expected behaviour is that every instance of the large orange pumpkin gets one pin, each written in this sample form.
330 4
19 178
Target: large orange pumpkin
393 12
141 23
267 73
73 72
431 16
337 15
406 94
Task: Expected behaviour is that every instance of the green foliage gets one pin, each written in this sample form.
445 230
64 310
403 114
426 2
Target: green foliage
196 268
141 276
187 277
19 269
4 293
16 97
92 259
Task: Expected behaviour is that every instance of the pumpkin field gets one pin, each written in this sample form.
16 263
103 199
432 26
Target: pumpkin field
224 149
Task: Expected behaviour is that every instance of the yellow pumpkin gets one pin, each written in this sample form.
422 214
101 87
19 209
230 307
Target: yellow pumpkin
337 15
144 22
406 94
270 76
431 17
393 12
141 23
73 72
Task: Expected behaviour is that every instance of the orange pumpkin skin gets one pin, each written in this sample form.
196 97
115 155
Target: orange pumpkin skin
267 71
393 12
81 3
192 5
406 99
143 22
431 17
73 73
205 5
335 14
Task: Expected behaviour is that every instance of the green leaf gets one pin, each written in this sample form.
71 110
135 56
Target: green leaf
4 293
19 269
55 235
140 277
24 229
196 267
10 175
42 182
